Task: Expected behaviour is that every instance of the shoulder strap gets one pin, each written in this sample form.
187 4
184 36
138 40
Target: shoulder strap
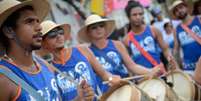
191 33
17 80
142 51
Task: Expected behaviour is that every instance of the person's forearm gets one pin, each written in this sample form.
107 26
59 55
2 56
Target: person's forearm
138 69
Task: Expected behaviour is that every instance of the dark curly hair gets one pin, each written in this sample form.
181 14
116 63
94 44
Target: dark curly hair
132 4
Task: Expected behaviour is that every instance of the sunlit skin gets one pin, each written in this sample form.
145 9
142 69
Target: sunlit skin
97 31
136 16
53 43
28 31
23 39
181 11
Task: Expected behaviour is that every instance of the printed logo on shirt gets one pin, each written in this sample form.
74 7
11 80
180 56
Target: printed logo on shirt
147 44
49 94
79 73
185 38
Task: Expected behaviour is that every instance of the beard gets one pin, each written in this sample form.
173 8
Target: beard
182 16
34 47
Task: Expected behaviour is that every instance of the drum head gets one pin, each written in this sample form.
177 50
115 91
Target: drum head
155 88
122 92
182 85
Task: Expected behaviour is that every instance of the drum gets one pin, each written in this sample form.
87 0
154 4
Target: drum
184 86
158 90
125 91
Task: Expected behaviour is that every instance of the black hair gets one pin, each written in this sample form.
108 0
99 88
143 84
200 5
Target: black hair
132 4
195 7
11 22
165 25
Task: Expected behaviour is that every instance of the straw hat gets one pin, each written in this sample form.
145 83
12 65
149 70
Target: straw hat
109 27
175 4
7 7
49 25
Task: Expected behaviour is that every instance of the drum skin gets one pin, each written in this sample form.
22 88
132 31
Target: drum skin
158 90
125 91
184 86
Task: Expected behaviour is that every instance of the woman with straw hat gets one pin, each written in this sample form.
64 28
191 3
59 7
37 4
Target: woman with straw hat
78 62
20 35
111 54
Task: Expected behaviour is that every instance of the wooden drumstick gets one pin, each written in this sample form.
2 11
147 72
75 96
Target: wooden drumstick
128 78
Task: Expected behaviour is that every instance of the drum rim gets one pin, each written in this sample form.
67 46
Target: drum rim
167 88
112 89
189 78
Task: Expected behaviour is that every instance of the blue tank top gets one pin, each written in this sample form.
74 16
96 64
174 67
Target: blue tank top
44 82
79 68
116 67
191 49
149 44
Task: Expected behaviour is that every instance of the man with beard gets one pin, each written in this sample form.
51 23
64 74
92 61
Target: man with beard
142 39
19 36
188 35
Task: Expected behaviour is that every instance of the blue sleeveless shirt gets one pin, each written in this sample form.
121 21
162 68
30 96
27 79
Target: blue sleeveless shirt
149 44
116 67
44 82
191 49
79 68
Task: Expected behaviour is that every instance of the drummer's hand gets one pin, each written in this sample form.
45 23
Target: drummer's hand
172 63
85 92
154 72
114 79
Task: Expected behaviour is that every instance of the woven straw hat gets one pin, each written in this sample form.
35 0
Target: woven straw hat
49 25
7 7
175 4
109 27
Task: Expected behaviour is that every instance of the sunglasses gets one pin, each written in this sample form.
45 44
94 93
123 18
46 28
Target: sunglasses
55 32
95 26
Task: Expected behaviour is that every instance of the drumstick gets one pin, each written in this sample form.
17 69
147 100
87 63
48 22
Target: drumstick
128 78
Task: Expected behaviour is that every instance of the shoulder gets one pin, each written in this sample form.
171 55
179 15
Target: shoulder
85 50
118 44
8 88
154 31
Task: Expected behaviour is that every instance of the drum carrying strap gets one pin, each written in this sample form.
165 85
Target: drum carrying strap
22 83
143 52
191 33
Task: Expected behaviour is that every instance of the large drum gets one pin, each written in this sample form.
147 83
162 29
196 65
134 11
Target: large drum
184 86
125 91
158 90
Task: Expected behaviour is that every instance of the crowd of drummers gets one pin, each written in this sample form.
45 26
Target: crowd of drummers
36 65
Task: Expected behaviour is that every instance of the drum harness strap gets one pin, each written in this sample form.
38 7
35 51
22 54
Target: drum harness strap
191 33
17 80
143 52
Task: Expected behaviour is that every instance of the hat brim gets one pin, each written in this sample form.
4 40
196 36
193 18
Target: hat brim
171 9
83 36
41 8
66 27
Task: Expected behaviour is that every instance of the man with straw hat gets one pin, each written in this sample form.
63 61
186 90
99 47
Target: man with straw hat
143 39
20 35
111 54
188 35
77 62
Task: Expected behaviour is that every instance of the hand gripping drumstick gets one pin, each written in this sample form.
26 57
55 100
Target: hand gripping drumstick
128 78
70 78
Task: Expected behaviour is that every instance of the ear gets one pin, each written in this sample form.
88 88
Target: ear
9 32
